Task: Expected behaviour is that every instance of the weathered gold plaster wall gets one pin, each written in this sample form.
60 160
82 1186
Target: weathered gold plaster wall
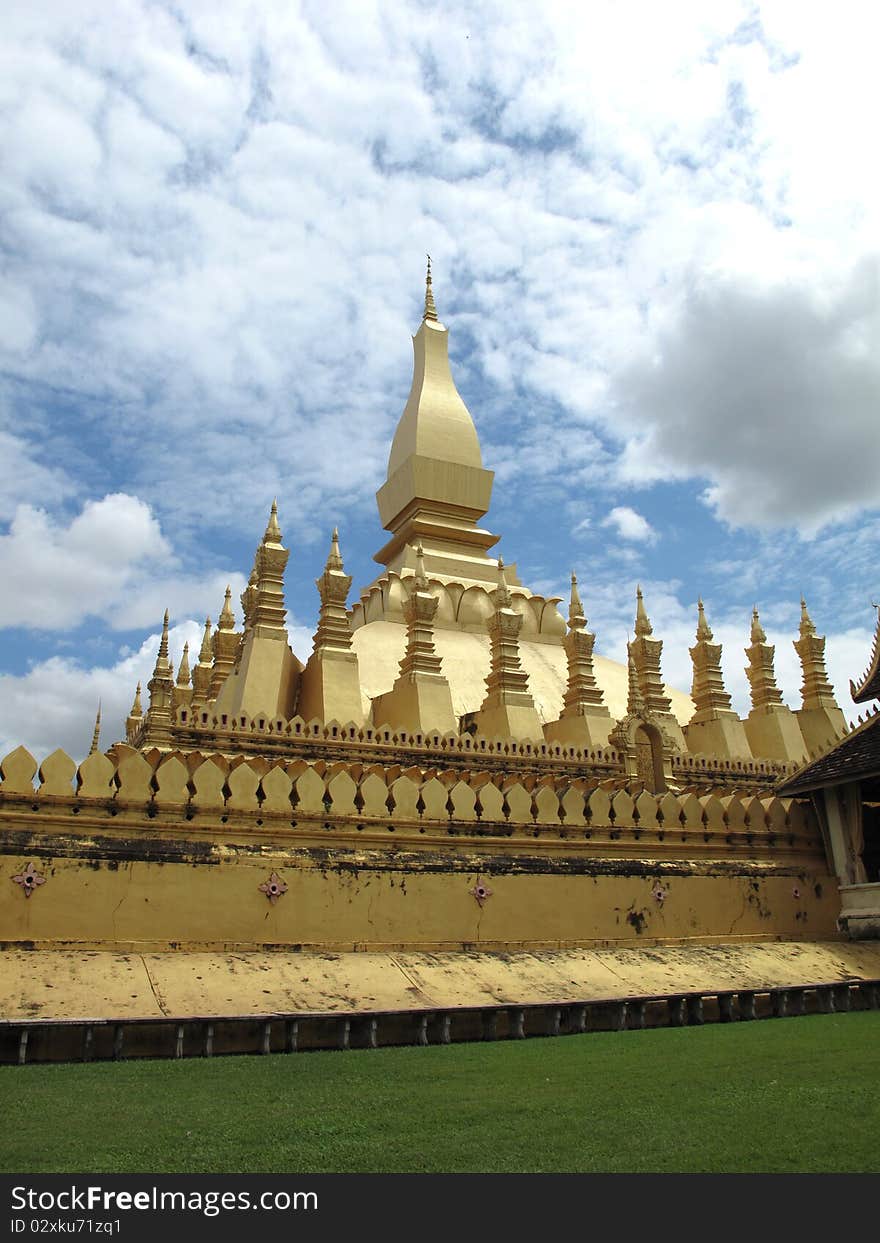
157 852
361 901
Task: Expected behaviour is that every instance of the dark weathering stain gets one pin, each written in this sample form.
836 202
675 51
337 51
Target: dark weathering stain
637 919
109 852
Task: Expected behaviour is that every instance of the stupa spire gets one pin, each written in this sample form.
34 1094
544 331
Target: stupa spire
330 687
273 530
419 610
226 620
334 628
643 625
436 489
703 631
334 557
508 709
157 723
646 654
817 691
206 651
201 674
707 691
135 719
162 668
267 609
183 673
96 735
760 672
502 592
575 608
430 309
225 644
582 694
420 698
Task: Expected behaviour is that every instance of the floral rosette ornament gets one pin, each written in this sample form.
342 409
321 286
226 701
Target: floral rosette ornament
481 892
30 879
273 888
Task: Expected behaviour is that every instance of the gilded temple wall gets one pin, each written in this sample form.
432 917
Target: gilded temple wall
138 852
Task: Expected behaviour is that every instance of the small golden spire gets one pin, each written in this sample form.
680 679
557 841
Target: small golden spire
334 559
226 620
96 736
163 664
643 625
183 675
704 633
421 579
273 530
502 594
575 607
136 709
807 627
430 308
206 651
758 634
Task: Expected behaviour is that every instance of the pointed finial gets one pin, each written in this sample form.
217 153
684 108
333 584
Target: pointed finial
163 665
643 625
807 626
96 736
575 607
758 634
703 631
502 594
273 530
226 620
183 675
334 558
136 709
421 579
206 651
430 308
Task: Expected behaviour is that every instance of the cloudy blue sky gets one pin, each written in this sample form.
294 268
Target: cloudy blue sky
655 241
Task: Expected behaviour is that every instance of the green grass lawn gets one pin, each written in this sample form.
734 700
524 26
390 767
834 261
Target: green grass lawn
787 1095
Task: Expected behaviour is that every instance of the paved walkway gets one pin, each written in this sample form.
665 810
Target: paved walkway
66 984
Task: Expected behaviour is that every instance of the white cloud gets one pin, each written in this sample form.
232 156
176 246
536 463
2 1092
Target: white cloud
54 703
773 394
630 525
111 562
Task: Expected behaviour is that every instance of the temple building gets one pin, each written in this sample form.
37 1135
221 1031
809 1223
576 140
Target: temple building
453 769
448 641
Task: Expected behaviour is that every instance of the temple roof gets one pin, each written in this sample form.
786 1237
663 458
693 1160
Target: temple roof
854 757
869 685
